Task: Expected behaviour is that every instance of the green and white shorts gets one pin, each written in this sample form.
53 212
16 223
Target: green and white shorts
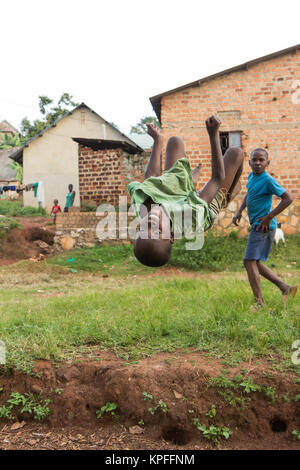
218 203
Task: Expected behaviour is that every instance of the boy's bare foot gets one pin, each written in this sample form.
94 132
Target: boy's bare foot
196 173
154 132
291 292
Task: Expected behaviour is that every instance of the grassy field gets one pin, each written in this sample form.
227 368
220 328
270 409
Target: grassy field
53 309
16 209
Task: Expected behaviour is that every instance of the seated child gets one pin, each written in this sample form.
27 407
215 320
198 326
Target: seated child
175 187
55 209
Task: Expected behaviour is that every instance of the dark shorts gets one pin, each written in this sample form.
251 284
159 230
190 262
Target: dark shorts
66 209
259 244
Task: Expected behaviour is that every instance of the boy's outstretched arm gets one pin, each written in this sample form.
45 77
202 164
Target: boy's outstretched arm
218 171
286 200
237 217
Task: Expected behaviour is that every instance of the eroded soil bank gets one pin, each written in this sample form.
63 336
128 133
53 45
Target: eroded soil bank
158 402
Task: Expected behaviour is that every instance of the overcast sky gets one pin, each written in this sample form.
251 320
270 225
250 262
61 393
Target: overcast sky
115 54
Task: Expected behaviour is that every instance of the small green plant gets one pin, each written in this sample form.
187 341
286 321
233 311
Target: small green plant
286 398
269 392
58 391
296 434
160 405
147 396
212 412
296 398
30 404
109 407
5 412
213 432
249 386
141 422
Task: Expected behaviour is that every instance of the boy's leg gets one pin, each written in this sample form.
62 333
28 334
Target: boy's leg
254 279
174 151
233 164
270 276
154 165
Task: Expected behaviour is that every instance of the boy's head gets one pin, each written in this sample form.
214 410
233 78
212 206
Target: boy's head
153 244
55 202
259 160
70 187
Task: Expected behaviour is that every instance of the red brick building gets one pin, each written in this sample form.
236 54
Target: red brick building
106 167
258 103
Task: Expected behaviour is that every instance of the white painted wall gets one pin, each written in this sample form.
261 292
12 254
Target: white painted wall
53 157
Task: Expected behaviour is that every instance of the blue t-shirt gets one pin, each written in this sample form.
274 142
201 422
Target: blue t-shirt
259 198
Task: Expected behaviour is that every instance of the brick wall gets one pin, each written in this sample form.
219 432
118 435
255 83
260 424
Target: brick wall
104 174
259 103
78 229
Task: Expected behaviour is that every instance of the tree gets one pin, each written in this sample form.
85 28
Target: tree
50 114
141 128
18 169
9 141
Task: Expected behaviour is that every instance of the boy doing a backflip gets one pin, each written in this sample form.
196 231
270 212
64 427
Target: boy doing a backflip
258 200
175 187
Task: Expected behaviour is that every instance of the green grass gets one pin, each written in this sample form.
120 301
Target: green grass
146 317
16 209
47 311
7 224
219 253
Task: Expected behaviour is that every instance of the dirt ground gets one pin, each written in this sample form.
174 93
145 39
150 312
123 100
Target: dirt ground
179 381
29 242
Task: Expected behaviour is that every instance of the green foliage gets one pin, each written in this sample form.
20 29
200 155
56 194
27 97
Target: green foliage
213 433
212 412
141 128
161 405
18 169
296 434
50 115
147 396
16 209
5 412
10 141
109 407
7 224
31 404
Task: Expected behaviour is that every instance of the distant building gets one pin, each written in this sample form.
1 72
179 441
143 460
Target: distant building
82 149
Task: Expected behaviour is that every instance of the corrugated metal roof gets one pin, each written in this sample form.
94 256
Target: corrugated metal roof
143 140
101 144
156 100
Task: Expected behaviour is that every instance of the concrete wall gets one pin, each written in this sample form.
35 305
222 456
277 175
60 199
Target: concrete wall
53 157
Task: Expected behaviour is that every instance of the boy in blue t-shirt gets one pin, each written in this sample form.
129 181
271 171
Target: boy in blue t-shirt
261 187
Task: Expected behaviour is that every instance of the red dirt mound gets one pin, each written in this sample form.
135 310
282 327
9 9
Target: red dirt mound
29 242
165 396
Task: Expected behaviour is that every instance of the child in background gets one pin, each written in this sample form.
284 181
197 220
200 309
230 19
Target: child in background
55 209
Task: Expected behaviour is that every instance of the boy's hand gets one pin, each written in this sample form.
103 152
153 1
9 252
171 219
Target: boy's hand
236 218
264 225
212 125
